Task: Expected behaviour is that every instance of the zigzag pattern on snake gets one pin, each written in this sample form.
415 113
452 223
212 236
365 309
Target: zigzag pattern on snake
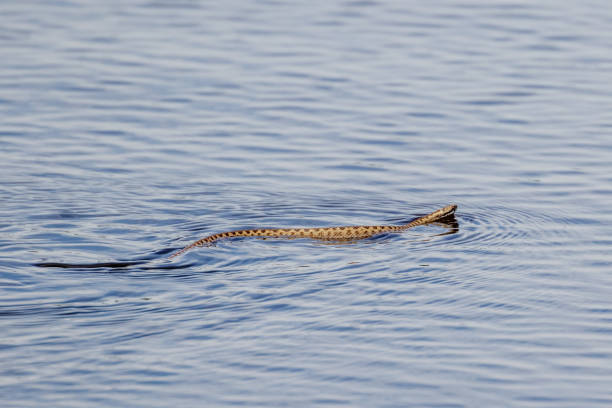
327 233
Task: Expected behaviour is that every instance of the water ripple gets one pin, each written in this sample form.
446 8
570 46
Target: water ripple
501 226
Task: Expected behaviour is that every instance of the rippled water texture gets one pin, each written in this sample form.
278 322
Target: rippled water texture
132 128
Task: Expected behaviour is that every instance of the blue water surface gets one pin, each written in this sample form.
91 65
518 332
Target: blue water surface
131 129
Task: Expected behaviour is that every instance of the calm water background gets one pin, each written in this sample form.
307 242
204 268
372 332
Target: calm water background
130 129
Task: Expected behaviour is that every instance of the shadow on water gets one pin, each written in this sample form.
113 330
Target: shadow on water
89 265
143 263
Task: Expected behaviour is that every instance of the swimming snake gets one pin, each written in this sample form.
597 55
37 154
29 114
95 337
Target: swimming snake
352 232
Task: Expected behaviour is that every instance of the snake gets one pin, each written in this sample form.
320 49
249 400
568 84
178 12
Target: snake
344 233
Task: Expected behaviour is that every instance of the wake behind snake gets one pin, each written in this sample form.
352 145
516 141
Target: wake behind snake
344 233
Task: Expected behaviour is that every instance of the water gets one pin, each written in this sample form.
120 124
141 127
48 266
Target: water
130 129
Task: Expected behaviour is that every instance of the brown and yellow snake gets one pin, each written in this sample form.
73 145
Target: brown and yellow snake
328 233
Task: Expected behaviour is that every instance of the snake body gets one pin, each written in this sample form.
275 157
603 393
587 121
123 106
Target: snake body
352 232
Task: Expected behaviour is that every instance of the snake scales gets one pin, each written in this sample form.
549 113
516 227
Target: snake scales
328 233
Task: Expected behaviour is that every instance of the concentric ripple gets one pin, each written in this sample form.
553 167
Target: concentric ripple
498 226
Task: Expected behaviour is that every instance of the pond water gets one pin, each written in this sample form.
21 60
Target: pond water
131 129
